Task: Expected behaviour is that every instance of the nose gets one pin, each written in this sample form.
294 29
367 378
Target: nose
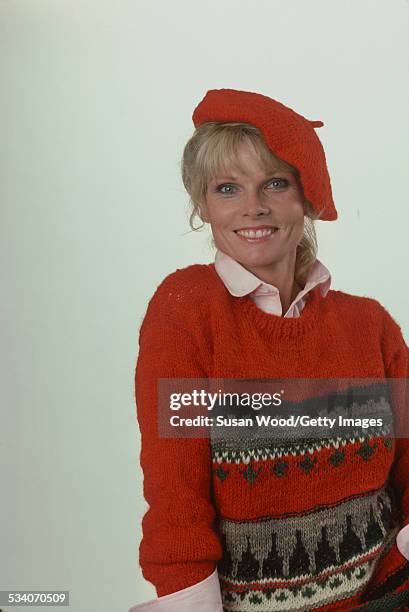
255 206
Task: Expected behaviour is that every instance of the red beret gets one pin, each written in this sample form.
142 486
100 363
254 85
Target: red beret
289 135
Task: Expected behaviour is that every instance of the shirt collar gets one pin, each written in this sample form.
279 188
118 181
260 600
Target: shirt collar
240 282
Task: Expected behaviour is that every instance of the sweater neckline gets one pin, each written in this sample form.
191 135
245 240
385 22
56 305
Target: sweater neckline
276 325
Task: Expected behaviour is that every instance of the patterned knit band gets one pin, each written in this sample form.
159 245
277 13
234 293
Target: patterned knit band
289 135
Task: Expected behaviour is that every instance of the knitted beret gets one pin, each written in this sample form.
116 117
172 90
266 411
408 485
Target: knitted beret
289 135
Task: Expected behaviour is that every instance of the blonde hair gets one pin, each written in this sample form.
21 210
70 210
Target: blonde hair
212 149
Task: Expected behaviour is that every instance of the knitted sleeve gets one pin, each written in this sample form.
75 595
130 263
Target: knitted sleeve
397 367
179 545
392 574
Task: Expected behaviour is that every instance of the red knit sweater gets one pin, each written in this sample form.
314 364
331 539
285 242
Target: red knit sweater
300 528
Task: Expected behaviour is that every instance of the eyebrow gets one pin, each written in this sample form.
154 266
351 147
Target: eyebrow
236 178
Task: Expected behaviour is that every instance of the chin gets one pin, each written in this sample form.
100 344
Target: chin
258 262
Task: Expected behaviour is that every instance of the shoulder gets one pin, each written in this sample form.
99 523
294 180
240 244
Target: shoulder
355 304
188 281
367 311
187 285
184 292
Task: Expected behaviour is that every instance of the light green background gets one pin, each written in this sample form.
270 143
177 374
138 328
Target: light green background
96 103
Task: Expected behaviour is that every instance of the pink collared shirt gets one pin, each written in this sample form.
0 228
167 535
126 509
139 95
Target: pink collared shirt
205 596
239 282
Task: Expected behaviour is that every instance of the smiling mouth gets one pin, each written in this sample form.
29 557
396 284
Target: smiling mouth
259 234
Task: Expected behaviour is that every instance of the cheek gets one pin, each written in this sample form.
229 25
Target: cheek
218 217
294 214
295 224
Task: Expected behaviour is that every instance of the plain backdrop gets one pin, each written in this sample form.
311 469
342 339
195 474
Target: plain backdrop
95 106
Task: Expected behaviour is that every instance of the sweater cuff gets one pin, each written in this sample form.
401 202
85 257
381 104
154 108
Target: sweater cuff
204 596
402 542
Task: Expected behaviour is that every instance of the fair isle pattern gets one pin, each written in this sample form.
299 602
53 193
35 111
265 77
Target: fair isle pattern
254 447
302 598
301 560
308 447
328 528
276 451
249 448
311 566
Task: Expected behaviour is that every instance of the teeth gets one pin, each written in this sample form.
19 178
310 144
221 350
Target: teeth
256 233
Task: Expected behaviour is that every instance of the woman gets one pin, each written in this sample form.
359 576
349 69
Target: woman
245 525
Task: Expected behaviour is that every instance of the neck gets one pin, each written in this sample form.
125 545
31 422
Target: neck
281 276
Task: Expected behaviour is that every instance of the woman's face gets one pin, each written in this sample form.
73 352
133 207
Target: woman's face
256 218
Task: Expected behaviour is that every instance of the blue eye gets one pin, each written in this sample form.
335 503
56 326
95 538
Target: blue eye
278 183
220 187
279 180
